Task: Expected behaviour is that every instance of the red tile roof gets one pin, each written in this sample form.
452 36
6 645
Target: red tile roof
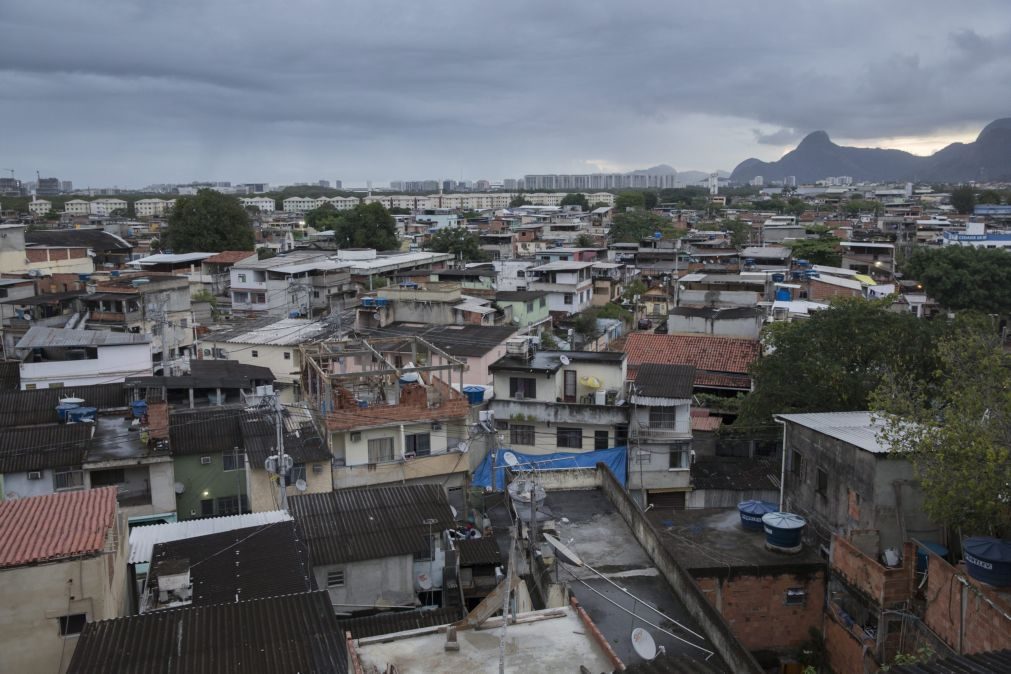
55 526
229 256
720 362
702 421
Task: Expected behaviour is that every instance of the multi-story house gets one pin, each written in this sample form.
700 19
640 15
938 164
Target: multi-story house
149 208
264 204
39 207
58 357
549 401
107 206
62 565
529 309
569 285
302 283
77 207
390 421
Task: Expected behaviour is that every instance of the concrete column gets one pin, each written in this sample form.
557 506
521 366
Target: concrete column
191 397
219 396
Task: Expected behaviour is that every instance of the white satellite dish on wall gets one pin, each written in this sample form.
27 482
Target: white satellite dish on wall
510 459
300 484
180 487
424 582
642 642
564 359
563 550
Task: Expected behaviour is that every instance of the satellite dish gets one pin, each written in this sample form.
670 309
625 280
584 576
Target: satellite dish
642 642
510 459
424 582
565 359
180 487
567 555
300 484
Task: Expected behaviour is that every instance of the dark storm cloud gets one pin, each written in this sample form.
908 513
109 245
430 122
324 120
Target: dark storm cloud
136 92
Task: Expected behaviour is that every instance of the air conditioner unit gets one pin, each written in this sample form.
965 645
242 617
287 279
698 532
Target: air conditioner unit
317 468
436 426
356 436
518 396
205 460
35 475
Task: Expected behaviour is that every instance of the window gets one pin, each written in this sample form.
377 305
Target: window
380 450
521 435
334 579
240 298
600 439
796 464
233 460
520 273
296 473
56 384
287 355
795 596
568 298
242 278
570 437
254 353
106 478
621 435
419 444
72 625
822 481
664 418
231 505
207 507
544 303
259 298
522 387
680 456
184 323
68 478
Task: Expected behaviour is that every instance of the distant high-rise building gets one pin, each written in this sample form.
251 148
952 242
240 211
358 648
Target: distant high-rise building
67 186
482 185
790 181
421 186
511 184
448 185
11 187
323 183
714 184
757 181
397 185
48 187
338 184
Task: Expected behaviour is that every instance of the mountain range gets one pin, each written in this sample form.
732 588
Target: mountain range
988 158
686 177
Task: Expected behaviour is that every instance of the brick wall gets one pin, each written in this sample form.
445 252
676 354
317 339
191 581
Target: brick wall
987 624
884 586
823 291
158 419
755 608
413 407
844 650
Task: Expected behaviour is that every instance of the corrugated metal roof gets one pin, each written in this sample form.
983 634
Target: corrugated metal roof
391 622
171 258
293 633
271 332
992 662
478 551
250 563
38 336
205 431
56 526
259 436
654 380
42 447
856 428
359 524
22 408
143 539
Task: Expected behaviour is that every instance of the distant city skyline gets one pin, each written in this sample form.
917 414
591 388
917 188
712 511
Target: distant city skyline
143 93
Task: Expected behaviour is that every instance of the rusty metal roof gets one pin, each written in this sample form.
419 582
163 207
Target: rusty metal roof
42 447
56 526
351 525
391 622
291 633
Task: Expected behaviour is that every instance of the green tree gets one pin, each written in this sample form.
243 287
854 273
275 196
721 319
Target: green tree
585 325
208 221
963 199
464 245
824 251
634 288
584 240
627 200
400 210
650 200
365 226
576 199
964 277
957 432
988 197
832 361
518 200
264 253
633 226
321 218
795 206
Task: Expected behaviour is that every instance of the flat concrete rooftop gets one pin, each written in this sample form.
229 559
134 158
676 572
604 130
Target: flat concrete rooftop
558 642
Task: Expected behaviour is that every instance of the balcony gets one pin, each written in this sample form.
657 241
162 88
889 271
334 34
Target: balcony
655 434
561 413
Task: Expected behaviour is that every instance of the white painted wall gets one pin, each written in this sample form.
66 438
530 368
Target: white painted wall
114 364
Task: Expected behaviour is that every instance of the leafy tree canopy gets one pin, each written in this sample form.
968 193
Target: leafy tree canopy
650 200
461 243
210 222
832 361
634 226
576 199
518 200
957 433
824 251
400 210
963 199
584 240
963 277
627 200
988 197
364 226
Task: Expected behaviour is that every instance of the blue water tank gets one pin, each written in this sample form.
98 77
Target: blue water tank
783 295
752 511
988 560
923 556
63 408
139 408
802 263
782 531
475 394
778 278
81 413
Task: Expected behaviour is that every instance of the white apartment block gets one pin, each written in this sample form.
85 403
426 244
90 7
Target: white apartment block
151 208
77 207
107 206
306 204
40 207
265 204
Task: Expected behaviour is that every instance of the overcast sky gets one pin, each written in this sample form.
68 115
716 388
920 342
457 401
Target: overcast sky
132 92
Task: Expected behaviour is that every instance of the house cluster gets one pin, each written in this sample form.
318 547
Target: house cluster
351 460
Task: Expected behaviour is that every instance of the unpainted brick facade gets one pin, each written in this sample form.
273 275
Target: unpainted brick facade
971 618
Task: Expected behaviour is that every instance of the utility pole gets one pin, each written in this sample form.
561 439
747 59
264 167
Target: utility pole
282 467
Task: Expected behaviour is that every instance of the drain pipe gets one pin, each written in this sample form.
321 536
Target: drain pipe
782 464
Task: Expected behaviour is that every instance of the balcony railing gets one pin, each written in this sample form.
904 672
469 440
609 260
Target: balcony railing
650 433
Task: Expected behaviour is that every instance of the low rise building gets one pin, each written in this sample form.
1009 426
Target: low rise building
40 207
152 208
302 283
58 357
721 363
569 285
529 309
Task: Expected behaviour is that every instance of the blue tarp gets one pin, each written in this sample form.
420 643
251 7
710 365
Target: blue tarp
615 458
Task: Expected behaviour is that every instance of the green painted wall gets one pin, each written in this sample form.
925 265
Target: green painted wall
205 482
522 317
